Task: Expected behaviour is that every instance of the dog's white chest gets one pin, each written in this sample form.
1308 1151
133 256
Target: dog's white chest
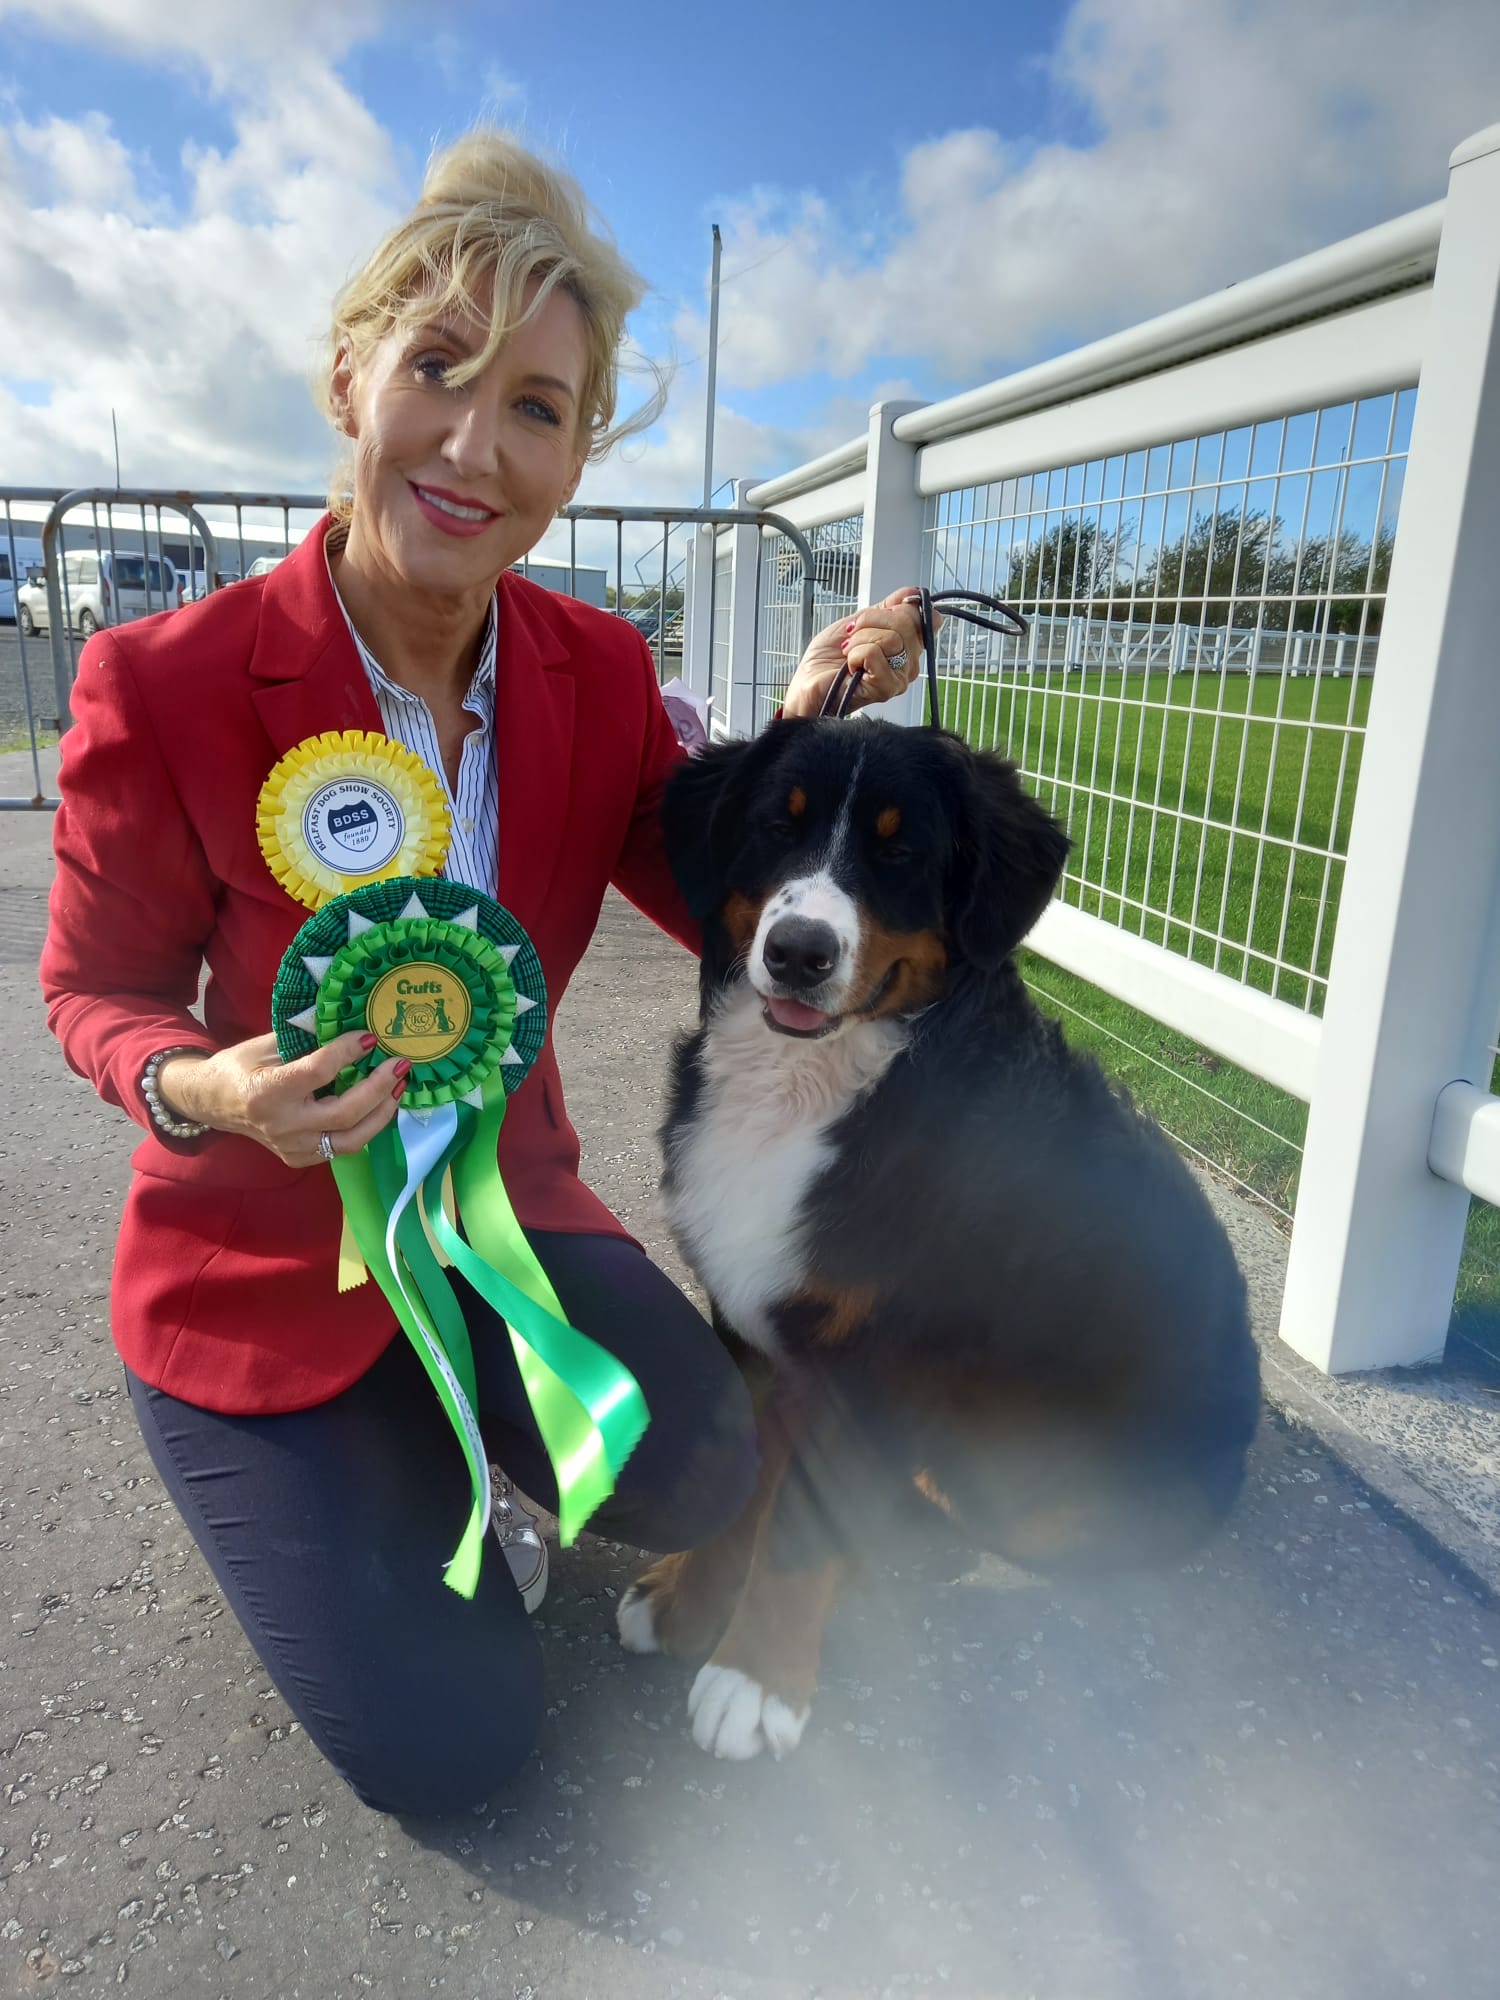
761 1134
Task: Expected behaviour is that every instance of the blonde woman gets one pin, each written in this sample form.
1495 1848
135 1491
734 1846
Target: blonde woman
474 368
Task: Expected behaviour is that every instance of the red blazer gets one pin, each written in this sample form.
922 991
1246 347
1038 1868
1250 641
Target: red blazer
224 1289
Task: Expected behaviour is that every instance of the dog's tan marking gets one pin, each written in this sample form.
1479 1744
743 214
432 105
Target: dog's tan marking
692 1595
776 1634
796 803
740 917
929 1489
889 823
836 1314
914 961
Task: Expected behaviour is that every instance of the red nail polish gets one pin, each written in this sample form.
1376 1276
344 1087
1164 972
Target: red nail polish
367 1042
843 645
400 1091
850 626
402 1067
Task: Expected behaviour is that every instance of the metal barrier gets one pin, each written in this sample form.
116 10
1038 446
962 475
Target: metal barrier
120 527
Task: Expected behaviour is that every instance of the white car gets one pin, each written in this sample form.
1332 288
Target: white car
101 588
263 565
26 555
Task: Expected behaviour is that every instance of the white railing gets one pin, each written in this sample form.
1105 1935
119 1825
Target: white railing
1255 540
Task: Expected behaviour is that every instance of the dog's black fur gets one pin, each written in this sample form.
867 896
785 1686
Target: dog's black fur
1038 1317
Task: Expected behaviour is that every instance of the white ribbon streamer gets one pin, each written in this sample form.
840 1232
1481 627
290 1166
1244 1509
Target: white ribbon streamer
425 1136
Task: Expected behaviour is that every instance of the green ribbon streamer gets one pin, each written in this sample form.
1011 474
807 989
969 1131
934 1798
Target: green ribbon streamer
588 1406
369 1184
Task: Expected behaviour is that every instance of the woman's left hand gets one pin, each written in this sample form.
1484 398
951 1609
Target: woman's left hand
871 639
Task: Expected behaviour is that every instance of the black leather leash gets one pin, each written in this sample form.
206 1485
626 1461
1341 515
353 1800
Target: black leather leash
840 695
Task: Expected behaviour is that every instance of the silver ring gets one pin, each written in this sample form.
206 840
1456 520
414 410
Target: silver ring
896 661
325 1146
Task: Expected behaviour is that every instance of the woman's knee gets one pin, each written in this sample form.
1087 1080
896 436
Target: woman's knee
693 1486
447 1748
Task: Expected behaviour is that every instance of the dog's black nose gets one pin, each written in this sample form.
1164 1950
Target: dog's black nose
800 952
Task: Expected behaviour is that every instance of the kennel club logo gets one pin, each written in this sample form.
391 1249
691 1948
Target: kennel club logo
354 826
419 1010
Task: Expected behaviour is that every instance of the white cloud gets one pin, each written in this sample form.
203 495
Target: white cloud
1221 139
201 329
1226 138
83 162
221 35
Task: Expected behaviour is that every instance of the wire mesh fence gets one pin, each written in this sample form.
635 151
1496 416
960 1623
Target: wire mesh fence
836 549
1191 696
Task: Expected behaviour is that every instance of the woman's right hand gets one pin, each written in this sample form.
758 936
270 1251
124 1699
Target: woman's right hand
247 1089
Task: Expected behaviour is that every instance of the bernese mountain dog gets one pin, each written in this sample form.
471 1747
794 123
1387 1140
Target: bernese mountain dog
955 1261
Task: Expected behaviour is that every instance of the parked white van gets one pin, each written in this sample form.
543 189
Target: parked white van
101 588
19 555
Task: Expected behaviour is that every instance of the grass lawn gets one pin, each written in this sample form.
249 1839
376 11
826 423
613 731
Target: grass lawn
1212 784
16 736
1264 762
1241 1125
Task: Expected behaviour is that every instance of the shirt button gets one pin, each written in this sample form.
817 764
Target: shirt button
468 826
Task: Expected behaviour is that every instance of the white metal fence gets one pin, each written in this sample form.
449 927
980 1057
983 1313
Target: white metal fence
1210 813
1255 537
835 546
78 562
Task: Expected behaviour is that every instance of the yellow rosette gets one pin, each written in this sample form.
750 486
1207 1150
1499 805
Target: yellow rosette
346 808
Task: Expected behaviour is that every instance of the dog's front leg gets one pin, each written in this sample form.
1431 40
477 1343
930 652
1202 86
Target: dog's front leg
756 1691
683 1603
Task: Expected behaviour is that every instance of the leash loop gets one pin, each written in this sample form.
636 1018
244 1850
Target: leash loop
968 606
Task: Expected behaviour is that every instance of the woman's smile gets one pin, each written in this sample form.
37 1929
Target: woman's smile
451 513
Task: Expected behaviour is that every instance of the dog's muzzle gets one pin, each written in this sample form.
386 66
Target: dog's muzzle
800 957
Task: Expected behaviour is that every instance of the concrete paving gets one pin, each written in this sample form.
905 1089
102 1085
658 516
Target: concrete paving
1274 1771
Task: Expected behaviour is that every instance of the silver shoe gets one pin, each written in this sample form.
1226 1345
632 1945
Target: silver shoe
517 1533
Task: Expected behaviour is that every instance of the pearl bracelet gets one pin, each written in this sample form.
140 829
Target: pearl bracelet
163 1119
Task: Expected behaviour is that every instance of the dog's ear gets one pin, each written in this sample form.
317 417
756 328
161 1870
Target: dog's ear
704 813
1010 857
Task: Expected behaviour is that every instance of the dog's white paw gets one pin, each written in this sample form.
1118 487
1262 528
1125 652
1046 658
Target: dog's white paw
637 1623
733 1716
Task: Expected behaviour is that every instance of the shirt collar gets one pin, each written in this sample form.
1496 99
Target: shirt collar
480 698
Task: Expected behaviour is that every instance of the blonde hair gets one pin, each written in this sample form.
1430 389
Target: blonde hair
491 220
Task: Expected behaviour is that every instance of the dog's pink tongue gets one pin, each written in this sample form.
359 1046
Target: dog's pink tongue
796 1015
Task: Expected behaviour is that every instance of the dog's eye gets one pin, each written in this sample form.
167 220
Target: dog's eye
783 829
893 852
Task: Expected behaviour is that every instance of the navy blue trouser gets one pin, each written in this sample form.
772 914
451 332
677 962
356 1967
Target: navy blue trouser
327 1529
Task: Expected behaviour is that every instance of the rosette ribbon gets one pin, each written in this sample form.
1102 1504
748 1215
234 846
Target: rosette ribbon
445 976
346 808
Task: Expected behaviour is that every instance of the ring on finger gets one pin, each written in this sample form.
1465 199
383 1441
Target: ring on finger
896 661
325 1146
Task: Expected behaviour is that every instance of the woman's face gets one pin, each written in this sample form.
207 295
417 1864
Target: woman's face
453 485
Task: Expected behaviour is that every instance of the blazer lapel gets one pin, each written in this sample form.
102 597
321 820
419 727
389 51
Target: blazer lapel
306 671
534 697
308 678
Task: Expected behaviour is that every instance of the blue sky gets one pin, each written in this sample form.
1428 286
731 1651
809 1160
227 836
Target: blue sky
914 200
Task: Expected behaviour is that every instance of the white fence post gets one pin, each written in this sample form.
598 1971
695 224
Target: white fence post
1414 977
744 592
890 550
697 623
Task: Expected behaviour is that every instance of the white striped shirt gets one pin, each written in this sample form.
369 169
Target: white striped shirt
473 854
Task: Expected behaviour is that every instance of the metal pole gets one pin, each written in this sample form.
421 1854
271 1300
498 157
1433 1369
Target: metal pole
713 372
114 424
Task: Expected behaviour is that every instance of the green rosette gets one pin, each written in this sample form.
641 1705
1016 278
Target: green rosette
446 977
329 975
